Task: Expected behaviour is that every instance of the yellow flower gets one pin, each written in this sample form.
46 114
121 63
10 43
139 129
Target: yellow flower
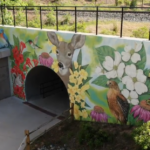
83 74
82 94
75 65
76 89
78 98
84 88
77 112
82 104
54 49
84 113
71 90
71 99
76 74
72 79
79 80
55 66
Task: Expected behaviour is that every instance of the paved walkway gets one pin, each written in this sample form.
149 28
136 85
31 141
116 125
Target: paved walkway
15 117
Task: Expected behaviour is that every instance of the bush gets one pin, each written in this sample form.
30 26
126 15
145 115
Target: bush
8 17
20 17
127 2
50 18
141 33
141 135
133 3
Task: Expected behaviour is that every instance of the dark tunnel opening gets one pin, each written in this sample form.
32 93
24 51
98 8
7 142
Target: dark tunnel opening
45 89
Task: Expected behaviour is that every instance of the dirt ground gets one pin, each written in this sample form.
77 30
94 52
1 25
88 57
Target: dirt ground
79 135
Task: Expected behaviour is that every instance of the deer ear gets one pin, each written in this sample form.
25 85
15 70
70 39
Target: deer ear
53 38
77 41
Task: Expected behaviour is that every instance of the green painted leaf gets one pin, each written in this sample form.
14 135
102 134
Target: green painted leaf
86 105
101 81
84 67
79 59
142 53
87 92
35 55
104 51
147 72
148 84
26 55
88 79
16 41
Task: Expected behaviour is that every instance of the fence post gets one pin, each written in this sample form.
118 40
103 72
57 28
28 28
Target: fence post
41 17
27 140
57 18
96 20
72 111
26 17
121 23
149 34
75 19
14 16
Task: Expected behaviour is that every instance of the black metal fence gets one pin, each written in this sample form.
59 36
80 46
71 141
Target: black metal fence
75 9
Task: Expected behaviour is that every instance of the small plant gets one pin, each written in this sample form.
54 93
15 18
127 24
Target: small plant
133 3
127 2
20 17
141 33
141 135
120 2
8 17
66 19
50 18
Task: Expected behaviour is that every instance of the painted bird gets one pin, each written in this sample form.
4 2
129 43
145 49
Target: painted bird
33 44
118 104
5 38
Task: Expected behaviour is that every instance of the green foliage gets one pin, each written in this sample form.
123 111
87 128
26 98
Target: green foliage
120 2
31 3
93 137
133 3
108 32
20 17
8 17
141 33
14 3
50 18
66 19
141 135
127 2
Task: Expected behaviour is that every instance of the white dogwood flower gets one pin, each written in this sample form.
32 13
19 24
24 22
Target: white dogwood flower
135 79
99 70
132 97
132 53
115 67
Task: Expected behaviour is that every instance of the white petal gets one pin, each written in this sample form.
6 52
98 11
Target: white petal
98 70
117 58
127 48
135 57
140 76
125 93
133 94
134 101
125 56
111 74
140 88
131 70
129 83
120 69
108 63
138 47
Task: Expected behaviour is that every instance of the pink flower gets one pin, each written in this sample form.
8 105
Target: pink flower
142 111
98 114
45 59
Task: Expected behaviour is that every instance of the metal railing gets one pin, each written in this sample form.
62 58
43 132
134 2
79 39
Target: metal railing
75 9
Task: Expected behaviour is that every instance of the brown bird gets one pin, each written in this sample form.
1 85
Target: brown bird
118 104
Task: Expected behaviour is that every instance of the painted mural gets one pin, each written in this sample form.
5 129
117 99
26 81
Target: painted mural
107 78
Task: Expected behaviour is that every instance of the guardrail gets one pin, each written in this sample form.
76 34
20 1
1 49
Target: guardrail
26 142
75 9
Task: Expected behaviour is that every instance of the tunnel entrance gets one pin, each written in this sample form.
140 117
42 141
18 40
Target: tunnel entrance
45 89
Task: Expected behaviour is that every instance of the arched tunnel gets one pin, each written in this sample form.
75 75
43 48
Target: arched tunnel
45 89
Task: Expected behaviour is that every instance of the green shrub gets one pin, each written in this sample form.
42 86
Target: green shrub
7 17
108 32
141 33
66 19
20 17
50 18
120 2
133 3
127 2
141 135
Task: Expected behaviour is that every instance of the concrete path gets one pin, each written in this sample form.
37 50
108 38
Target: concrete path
15 117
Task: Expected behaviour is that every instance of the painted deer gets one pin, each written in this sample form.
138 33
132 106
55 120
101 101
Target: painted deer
65 53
